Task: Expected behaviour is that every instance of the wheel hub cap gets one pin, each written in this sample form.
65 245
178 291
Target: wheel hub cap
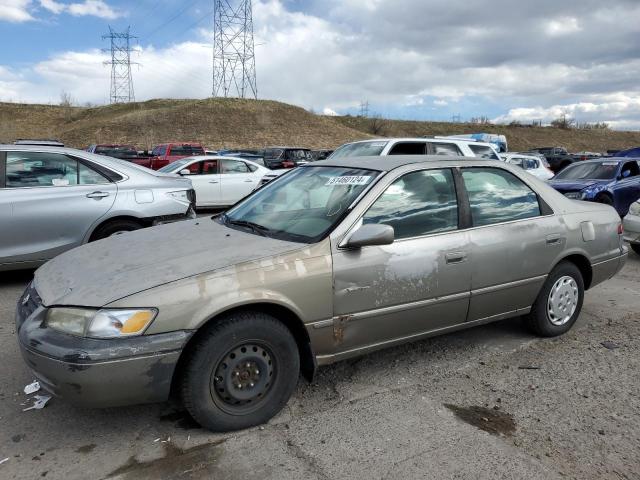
563 300
243 376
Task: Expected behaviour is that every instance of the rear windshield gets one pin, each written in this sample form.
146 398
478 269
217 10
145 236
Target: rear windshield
591 171
186 150
482 151
117 151
360 149
273 153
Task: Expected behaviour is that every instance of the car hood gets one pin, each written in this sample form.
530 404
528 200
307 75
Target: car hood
574 185
102 272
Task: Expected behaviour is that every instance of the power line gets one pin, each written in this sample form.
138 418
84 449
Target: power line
234 63
121 79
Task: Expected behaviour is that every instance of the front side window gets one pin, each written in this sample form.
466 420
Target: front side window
408 148
497 196
446 149
418 203
303 206
482 151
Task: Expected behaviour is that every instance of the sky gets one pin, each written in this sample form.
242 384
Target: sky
506 60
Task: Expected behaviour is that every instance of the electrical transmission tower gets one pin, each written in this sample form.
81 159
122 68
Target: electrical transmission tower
234 62
121 80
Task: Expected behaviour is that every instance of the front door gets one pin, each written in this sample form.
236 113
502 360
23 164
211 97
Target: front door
53 200
206 182
514 242
417 284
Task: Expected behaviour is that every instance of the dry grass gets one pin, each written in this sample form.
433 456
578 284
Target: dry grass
235 123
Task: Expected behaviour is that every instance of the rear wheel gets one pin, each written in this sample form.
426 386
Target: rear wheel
559 302
240 372
116 227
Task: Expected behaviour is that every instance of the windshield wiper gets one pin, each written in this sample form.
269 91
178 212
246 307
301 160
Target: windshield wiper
256 228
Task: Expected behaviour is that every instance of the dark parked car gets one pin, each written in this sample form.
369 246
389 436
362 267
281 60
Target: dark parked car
613 181
254 157
285 157
114 150
557 157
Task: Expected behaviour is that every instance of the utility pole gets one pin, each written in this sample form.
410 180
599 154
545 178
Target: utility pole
364 109
121 80
234 62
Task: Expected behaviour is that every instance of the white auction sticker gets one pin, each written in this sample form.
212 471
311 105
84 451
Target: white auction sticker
349 180
60 182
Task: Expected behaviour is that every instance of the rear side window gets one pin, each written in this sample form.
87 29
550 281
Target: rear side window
233 166
88 176
497 196
482 151
34 169
446 149
360 149
408 148
418 203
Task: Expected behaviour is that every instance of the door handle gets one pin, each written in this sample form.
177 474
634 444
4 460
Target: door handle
248 181
213 181
553 239
97 194
455 257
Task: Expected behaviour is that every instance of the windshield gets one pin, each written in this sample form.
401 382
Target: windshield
360 149
591 171
303 206
170 167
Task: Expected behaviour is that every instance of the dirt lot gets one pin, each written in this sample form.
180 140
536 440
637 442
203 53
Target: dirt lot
491 402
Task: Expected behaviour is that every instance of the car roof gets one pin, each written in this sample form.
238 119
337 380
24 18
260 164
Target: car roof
290 148
391 162
606 159
423 139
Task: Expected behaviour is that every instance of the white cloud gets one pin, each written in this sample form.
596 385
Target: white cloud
16 11
329 112
562 26
97 8
53 6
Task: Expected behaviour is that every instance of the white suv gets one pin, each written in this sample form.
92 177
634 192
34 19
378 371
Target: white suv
417 146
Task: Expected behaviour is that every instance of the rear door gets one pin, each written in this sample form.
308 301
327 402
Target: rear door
48 203
515 238
237 181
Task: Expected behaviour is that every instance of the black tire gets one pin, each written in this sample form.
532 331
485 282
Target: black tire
540 321
216 366
114 227
605 199
636 248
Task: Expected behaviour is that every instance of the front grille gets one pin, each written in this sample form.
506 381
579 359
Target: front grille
29 301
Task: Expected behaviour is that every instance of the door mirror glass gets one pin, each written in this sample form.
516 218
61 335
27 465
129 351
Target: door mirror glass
185 171
371 234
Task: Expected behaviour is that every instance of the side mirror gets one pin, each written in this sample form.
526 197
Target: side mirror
186 171
371 234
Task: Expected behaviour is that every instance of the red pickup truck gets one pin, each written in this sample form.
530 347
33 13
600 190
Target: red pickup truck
166 153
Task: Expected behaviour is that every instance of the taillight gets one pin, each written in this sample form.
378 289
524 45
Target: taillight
620 229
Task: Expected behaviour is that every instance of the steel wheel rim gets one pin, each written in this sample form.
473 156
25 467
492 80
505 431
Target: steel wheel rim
563 300
242 378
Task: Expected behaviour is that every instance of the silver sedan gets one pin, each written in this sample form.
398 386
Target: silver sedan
53 199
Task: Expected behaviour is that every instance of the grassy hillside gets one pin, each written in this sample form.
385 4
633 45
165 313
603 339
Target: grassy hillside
217 123
519 138
234 123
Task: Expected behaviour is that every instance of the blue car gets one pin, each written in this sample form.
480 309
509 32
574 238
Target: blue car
613 181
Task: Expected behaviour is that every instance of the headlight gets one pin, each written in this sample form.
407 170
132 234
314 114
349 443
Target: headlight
634 209
181 196
574 195
105 323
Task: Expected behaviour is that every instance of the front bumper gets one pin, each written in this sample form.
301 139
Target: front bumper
631 226
93 372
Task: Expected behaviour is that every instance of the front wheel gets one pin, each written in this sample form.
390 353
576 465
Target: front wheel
240 372
559 302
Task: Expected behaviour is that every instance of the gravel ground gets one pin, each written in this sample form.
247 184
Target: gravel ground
490 402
